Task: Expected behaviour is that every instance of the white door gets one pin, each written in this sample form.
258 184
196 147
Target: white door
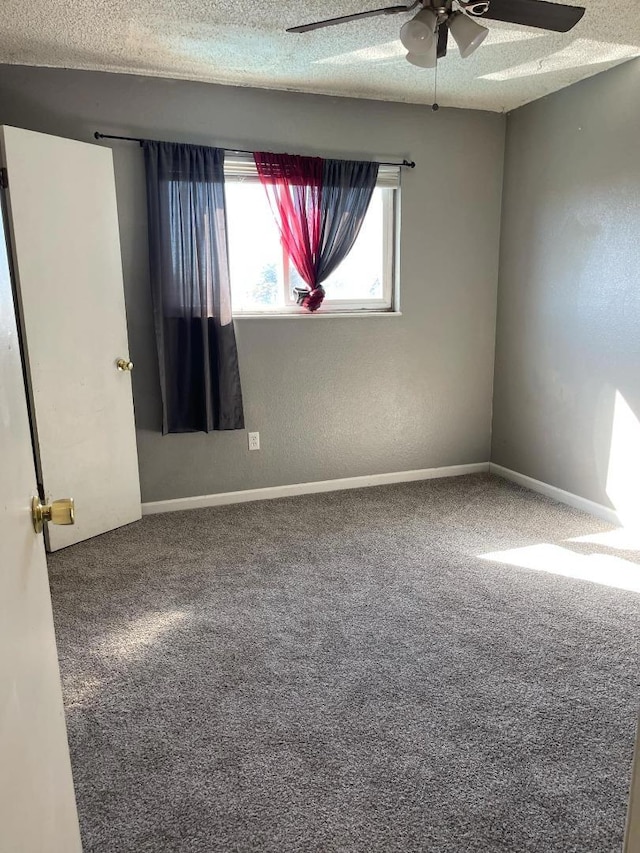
37 804
66 254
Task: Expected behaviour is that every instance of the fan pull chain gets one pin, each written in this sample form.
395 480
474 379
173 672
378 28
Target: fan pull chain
435 106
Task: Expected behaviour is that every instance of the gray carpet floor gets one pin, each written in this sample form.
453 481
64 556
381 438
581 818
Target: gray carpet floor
344 672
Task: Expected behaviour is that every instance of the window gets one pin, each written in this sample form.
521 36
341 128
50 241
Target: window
262 278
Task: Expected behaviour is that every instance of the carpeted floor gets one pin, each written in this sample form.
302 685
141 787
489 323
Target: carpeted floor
344 672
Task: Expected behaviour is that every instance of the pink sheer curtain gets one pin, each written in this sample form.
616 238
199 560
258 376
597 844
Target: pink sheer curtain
319 206
294 189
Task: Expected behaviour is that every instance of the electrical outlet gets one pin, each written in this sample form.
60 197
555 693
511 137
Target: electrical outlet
254 441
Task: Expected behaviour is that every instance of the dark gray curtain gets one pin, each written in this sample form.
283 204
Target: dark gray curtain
347 187
197 355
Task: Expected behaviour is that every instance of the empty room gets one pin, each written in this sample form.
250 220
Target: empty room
320 427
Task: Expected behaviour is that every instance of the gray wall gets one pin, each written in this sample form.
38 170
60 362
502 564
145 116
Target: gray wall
568 334
331 397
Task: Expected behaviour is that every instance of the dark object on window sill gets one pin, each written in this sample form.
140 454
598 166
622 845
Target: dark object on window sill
309 299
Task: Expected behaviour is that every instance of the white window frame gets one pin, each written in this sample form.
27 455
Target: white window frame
242 168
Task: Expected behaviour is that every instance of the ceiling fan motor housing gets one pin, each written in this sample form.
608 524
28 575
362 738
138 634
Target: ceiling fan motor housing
441 8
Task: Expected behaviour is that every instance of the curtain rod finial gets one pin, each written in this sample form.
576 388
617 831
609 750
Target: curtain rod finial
409 163
97 135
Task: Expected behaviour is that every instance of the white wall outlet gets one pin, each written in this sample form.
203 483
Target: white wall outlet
254 441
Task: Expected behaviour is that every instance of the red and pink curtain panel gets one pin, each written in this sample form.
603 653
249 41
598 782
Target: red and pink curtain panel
319 206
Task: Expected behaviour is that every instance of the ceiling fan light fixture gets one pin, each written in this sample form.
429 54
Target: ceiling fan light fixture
424 60
418 34
468 34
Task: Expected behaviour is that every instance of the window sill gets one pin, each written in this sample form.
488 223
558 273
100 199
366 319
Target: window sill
297 315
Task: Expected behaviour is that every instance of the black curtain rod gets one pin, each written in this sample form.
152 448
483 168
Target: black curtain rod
408 163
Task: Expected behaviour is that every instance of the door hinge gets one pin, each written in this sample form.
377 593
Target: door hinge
4 178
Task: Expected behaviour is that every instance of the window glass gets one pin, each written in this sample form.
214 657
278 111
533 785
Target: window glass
255 254
359 276
262 280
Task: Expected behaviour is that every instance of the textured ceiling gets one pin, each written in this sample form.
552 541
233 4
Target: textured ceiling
244 43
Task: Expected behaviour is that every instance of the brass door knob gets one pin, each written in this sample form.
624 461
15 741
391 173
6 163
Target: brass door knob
124 364
57 512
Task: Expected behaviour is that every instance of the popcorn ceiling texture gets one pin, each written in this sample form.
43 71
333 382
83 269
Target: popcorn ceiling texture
245 44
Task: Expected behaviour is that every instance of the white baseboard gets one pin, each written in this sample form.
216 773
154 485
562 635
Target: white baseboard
199 501
599 510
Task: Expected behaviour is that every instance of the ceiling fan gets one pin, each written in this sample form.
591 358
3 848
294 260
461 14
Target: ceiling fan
427 34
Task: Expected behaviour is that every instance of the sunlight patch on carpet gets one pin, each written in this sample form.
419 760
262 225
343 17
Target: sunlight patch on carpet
602 569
